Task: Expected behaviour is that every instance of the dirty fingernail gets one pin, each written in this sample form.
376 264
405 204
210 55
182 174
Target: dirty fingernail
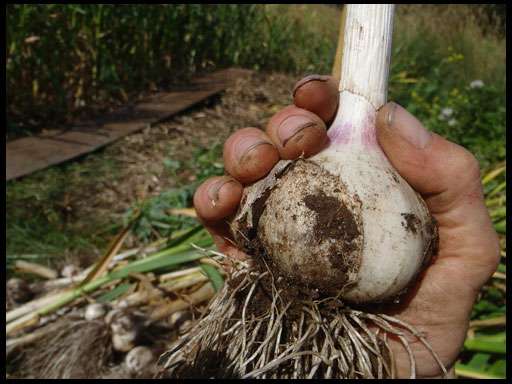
213 190
407 126
244 147
307 79
291 126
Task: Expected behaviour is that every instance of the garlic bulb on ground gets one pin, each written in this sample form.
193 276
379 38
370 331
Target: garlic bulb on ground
125 330
139 359
18 290
95 311
69 270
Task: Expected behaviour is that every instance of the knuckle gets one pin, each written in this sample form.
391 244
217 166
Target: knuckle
491 254
469 165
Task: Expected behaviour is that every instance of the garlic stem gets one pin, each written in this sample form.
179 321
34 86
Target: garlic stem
364 72
367 52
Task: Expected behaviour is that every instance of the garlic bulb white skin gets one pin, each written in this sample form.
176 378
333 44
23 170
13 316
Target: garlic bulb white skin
124 342
112 315
18 290
139 359
69 270
125 330
344 222
95 311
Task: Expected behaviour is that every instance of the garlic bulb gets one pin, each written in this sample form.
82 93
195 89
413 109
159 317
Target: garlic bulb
95 311
139 359
344 222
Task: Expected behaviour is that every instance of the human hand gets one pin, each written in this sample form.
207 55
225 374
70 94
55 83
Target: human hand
445 174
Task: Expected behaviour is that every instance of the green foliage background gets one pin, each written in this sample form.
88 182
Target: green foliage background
63 59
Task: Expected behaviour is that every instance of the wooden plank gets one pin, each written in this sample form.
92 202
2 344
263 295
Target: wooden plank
27 155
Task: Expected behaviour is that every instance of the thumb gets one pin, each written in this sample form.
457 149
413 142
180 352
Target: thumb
443 172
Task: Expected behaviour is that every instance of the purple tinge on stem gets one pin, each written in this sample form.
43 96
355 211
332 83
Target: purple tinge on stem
340 134
344 133
368 136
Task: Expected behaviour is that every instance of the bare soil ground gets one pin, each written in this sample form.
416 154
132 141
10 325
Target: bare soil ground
140 157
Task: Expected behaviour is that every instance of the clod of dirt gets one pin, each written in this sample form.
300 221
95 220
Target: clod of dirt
412 223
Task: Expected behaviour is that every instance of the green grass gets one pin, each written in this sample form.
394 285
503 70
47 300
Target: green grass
153 221
425 34
39 225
